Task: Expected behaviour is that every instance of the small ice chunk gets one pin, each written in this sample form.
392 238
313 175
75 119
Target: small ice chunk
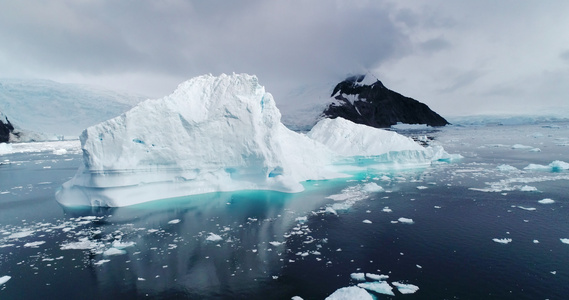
527 188
372 187
275 243
102 261
214 237
405 288
301 219
405 220
535 241
122 245
351 292
358 276
366 221
34 244
527 208
4 279
113 251
380 287
546 201
502 241
387 209
565 241
141 279
422 187
175 221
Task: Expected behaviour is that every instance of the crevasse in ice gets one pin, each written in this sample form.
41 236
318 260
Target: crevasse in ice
215 134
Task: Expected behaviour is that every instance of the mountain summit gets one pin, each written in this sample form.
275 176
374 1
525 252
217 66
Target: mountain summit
365 100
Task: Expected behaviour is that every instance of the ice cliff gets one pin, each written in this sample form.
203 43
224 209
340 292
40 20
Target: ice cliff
213 134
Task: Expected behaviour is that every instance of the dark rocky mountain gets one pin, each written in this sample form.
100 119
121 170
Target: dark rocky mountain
5 129
365 100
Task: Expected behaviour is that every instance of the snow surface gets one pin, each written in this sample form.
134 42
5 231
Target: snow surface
350 293
220 134
71 107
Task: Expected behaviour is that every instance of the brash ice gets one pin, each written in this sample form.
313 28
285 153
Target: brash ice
215 134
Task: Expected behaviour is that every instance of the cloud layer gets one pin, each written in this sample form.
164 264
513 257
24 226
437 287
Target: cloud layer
485 55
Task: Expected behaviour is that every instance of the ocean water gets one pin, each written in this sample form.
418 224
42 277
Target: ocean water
468 229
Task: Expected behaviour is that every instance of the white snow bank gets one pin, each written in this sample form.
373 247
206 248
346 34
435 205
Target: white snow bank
350 293
219 134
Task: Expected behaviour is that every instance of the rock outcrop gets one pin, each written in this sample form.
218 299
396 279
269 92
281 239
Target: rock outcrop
365 100
5 128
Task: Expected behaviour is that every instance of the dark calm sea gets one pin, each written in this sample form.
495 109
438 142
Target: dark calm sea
493 225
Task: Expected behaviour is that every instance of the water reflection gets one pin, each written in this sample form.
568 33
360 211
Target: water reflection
172 254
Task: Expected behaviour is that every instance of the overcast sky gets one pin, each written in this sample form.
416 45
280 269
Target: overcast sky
459 57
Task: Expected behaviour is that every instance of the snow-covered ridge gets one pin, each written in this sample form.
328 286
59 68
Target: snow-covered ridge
214 134
71 107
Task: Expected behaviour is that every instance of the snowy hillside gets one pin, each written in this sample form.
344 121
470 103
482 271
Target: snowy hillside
59 109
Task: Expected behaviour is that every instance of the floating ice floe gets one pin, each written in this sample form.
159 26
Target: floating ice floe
358 276
405 288
175 221
377 277
4 279
223 134
367 221
502 241
555 166
564 241
102 261
546 201
405 220
527 208
113 251
34 244
214 237
351 292
381 287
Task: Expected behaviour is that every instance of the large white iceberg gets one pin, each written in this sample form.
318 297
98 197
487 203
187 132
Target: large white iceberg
212 134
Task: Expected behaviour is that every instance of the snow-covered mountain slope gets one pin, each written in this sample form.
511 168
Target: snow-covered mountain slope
363 99
212 134
59 109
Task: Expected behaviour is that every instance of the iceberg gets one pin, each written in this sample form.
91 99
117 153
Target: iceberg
216 134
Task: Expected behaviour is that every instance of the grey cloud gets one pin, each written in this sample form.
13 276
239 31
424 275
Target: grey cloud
277 40
462 80
435 45
564 55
